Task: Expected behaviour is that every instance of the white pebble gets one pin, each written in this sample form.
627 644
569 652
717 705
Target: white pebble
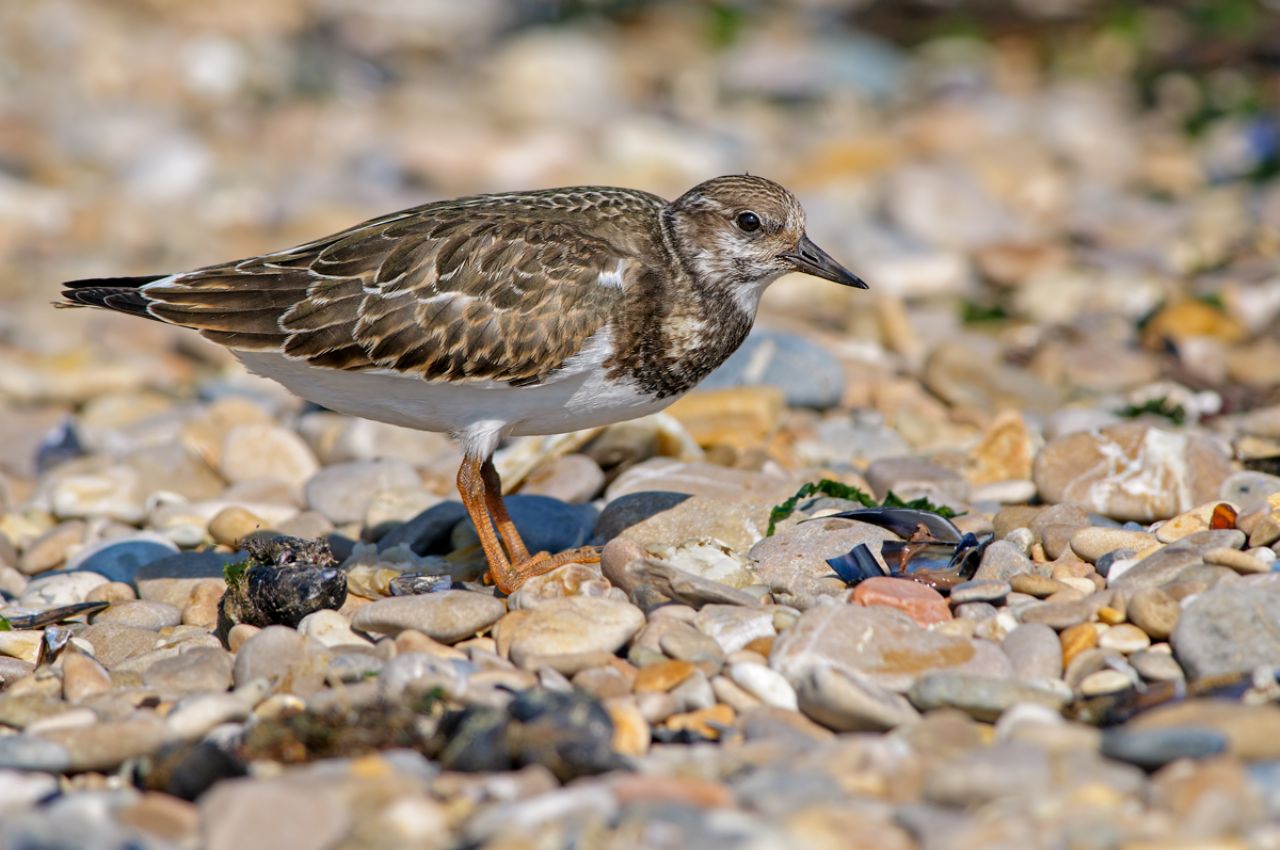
767 685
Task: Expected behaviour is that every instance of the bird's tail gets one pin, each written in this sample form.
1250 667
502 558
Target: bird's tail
122 294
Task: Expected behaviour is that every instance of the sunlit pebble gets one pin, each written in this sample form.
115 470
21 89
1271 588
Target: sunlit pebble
213 66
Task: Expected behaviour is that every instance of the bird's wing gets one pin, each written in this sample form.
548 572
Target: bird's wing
492 294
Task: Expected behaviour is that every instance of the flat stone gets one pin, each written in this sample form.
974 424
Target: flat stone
1034 651
1125 638
696 478
60 588
342 492
114 643
983 698
1241 562
732 627
448 616
105 745
142 614
244 814
1093 542
1131 471
1104 682
1249 489
764 684
849 701
83 677
27 752
912 478
1252 731
1152 749
573 626
1154 611
1230 628
1157 666
572 478
262 450
291 662
979 590
1003 560
881 643
793 562
50 549
735 523
198 669
918 601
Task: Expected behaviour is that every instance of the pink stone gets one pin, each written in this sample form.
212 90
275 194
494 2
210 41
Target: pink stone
918 601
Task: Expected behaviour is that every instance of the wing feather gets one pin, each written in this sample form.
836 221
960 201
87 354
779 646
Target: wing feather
505 290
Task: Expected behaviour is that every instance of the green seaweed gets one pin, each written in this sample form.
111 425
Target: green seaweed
1161 406
836 490
234 572
5 625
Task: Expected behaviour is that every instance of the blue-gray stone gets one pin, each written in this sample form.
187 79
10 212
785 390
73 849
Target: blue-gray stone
207 564
1152 749
429 532
545 524
807 374
27 752
121 560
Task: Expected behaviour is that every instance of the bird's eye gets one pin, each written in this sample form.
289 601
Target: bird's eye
748 221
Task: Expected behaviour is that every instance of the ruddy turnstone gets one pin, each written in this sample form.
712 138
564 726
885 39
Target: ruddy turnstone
494 315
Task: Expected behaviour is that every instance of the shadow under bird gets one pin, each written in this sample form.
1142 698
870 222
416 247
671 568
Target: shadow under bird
497 315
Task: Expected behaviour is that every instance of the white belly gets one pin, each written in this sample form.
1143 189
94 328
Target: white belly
581 399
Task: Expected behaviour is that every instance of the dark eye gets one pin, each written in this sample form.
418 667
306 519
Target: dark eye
748 221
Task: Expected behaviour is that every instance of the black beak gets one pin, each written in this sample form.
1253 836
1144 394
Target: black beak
810 259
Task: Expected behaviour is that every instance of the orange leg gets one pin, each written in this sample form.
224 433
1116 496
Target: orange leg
510 563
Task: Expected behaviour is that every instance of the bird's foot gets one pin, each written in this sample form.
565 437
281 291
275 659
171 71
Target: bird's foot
509 579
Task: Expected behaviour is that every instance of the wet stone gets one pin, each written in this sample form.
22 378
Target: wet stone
283 580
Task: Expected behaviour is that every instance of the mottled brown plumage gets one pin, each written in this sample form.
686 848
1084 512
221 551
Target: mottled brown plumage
522 313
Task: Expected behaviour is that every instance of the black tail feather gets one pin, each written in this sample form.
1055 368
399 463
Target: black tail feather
114 293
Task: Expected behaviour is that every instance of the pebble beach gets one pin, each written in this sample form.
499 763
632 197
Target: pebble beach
233 620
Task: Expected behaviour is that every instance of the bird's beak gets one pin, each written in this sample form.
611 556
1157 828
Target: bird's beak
810 259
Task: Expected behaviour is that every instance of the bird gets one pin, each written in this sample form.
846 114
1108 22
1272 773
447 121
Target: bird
498 315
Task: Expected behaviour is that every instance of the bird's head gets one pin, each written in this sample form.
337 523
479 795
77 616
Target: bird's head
745 232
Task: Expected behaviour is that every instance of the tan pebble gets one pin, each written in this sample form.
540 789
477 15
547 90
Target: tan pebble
1104 682
631 735
202 606
741 417
762 645
1036 585
411 640
1241 562
83 677
113 592
732 694
684 790
708 722
1093 542
504 630
240 633
1063 570
1183 525
1084 585
1126 638
24 644
1111 616
1267 531
232 524
167 818
663 676
1154 611
1076 640
279 706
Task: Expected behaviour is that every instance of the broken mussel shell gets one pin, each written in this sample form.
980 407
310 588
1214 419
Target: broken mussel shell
932 550
415 584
